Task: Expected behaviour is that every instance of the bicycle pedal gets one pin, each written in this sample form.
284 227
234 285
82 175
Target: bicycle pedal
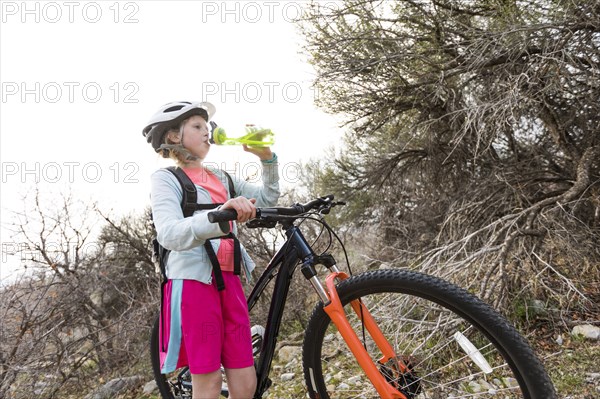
257 332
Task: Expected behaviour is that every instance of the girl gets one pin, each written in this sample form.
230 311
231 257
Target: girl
203 327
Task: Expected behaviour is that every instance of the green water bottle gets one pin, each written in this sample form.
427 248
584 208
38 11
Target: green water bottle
255 137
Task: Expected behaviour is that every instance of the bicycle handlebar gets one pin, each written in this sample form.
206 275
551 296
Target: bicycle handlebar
277 213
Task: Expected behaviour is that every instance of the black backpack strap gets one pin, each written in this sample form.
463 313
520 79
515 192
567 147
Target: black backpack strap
189 205
237 254
232 193
215 265
190 195
237 259
162 254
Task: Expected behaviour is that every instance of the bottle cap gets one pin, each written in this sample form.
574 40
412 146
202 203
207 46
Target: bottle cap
219 136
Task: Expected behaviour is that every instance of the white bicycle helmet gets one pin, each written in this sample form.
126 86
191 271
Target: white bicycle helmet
171 115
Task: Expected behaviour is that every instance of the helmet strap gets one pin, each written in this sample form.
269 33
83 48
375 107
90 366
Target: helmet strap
189 157
178 147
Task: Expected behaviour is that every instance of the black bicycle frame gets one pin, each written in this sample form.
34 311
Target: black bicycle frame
284 263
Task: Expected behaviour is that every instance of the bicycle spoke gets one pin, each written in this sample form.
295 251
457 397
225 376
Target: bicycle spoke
446 356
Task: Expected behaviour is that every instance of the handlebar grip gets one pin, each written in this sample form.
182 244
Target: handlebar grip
222 216
316 202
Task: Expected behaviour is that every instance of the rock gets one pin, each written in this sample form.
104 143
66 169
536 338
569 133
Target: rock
291 364
113 387
355 379
287 353
103 298
474 387
150 387
559 339
592 377
510 382
343 386
329 337
485 386
287 376
39 387
587 331
537 308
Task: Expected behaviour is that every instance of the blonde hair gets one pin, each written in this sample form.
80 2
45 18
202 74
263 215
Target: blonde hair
173 150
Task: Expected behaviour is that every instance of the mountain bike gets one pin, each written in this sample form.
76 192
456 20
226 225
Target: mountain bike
389 333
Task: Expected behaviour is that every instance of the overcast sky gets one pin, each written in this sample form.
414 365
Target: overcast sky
80 79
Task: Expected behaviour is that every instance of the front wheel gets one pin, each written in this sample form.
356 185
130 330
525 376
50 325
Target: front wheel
448 344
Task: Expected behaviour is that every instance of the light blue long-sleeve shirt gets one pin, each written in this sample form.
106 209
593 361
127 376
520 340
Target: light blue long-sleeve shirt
185 237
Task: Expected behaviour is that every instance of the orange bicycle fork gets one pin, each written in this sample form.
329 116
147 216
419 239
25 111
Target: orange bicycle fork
334 309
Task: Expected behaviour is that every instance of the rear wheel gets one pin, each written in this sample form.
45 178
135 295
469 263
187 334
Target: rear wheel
177 385
453 345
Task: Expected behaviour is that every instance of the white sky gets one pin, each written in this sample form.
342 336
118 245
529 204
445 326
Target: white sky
80 79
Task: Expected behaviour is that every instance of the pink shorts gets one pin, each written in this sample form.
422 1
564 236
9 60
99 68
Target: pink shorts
203 328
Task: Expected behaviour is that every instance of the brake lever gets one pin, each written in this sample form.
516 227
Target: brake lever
327 208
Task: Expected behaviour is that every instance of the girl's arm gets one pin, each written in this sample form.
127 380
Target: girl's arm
175 232
267 193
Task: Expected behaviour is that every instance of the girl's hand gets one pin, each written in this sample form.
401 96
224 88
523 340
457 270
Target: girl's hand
244 207
264 153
